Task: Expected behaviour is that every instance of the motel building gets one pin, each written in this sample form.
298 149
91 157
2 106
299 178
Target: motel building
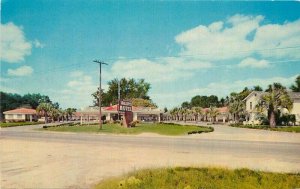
110 113
20 114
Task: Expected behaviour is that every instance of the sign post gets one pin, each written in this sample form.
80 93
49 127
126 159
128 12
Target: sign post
125 109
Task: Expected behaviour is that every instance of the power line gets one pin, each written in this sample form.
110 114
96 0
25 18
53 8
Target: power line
201 54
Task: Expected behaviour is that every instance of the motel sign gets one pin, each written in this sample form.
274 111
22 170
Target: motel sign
124 106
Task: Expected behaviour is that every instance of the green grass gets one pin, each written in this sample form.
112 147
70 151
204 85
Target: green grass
163 129
14 124
202 178
295 129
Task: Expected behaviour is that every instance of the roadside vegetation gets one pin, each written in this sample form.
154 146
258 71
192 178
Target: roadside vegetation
208 178
273 109
158 128
14 124
294 129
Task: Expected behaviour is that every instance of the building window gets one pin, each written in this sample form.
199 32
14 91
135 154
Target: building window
250 105
9 116
19 116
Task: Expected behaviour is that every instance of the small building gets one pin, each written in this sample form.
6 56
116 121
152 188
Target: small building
223 114
143 114
20 114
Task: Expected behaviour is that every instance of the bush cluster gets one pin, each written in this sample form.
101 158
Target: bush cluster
134 123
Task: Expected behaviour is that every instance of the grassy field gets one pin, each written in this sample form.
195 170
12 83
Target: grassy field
18 124
208 178
295 129
163 129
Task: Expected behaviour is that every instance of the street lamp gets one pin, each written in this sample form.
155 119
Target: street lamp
100 91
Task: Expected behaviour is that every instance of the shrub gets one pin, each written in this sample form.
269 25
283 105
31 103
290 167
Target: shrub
286 119
116 121
133 123
235 125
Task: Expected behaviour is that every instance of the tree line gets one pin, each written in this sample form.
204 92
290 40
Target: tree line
52 113
42 103
274 98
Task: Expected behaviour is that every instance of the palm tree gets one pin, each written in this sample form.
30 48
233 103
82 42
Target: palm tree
177 113
257 88
260 108
213 112
236 106
296 87
44 109
62 114
184 112
197 111
276 99
54 114
173 113
69 112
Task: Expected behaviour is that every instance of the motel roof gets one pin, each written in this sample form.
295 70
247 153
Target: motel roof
114 109
21 111
221 109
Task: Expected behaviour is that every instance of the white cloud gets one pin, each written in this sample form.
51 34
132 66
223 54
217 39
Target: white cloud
279 36
14 47
160 70
253 63
77 92
220 89
21 71
239 37
38 44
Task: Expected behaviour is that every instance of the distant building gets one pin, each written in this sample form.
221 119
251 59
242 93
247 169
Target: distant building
20 114
143 114
223 116
255 96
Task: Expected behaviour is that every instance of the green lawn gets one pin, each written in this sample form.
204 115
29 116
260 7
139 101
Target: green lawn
295 129
163 129
208 178
14 124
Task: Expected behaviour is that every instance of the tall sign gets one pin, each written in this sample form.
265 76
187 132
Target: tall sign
125 108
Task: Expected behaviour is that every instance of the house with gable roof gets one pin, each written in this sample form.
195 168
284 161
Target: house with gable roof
254 98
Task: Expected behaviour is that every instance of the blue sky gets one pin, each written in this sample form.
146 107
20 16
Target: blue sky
182 48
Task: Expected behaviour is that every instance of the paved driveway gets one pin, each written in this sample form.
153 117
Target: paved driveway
34 159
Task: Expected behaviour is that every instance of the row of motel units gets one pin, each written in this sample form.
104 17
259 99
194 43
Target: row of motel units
144 114
20 114
224 116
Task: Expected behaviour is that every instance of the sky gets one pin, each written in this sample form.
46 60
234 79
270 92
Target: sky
182 48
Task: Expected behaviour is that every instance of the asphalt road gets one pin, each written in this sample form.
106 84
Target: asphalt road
227 146
288 150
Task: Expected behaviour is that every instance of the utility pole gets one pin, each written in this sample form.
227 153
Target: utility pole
100 91
119 97
119 90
